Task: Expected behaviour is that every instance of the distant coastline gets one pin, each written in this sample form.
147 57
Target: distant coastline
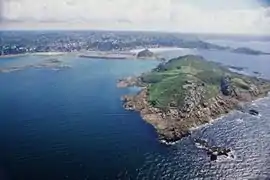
126 54
129 54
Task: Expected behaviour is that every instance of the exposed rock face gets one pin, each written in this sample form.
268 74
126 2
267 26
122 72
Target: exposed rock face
193 98
129 82
176 123
225 86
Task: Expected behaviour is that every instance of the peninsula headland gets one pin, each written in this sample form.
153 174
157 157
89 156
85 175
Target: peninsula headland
187 92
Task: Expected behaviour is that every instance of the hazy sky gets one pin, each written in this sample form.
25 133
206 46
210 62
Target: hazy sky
205 16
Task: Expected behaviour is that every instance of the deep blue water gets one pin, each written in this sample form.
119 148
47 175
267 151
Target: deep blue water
70 124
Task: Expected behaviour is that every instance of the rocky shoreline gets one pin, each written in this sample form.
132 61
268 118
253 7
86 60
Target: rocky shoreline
130 81
175 123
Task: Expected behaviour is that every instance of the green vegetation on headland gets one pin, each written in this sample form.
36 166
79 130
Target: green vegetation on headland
189 91
171 82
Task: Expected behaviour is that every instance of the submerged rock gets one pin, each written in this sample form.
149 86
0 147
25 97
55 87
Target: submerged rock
253 112
213 151
53 60
213 157
225 86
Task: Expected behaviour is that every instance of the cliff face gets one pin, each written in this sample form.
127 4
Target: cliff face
176 104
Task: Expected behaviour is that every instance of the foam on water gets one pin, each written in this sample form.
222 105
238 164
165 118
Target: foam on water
240 120
198 145
169 143
249 142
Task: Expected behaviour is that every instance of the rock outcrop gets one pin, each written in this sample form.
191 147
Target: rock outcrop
145 54
213 151
253 112
129 82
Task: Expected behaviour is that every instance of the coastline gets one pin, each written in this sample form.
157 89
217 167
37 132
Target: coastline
170 133
98 54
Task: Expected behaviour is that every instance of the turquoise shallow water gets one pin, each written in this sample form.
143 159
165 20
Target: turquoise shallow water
70 124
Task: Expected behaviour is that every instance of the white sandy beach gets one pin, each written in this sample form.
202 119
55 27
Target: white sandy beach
48 53
159 50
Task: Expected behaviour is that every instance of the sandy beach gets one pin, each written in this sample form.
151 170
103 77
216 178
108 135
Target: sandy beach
48 53
158 50
35 54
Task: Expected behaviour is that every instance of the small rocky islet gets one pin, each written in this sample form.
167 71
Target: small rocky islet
186 92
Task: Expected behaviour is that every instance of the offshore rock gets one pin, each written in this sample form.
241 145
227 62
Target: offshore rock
253 112
213 151
145 54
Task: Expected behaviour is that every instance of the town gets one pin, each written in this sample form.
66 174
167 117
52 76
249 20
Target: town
13 42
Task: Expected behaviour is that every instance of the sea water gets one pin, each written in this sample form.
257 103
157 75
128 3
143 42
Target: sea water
70 124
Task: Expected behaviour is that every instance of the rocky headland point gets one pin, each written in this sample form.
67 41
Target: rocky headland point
187 92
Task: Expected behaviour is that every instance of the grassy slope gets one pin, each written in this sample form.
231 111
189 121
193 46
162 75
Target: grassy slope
167 81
